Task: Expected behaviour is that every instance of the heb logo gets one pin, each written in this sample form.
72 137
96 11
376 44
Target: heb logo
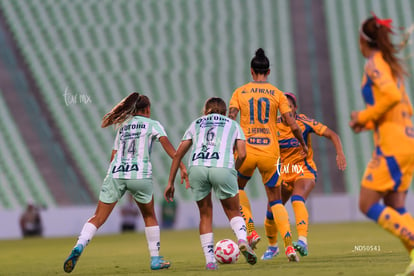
258 141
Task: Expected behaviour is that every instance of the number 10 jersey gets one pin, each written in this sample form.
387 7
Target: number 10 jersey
258 104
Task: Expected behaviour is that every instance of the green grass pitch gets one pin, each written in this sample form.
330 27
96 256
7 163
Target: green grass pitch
335 249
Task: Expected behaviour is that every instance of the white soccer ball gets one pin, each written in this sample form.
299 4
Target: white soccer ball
227 251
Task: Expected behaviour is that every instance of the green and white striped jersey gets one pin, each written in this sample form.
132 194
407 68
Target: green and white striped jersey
213 138
133 144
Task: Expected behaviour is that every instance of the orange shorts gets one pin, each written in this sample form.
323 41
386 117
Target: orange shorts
389 173
267 167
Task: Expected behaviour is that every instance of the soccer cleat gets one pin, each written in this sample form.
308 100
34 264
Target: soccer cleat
247 252
301 247
270 253
291 254
157 262
409 271
253 239
71 261
212 266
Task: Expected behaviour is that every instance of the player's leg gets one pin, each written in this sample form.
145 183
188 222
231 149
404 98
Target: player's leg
224 184
244 174
270 224
201 193
301 191
205 208
237 224
142 192
103 210
387 217
281 218
396 200
153 235
384 175
106 203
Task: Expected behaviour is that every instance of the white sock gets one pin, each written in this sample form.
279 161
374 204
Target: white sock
87 233
153 238
304 239
239 228
207 243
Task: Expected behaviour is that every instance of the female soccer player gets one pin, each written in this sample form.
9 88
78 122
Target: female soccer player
212 139
388 113
298 175
258 102
130 170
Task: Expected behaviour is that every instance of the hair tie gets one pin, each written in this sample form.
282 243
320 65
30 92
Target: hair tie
382 22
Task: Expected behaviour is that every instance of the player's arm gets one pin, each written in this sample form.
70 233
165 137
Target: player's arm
178 156
340 156
233 113
113 155
170 150
389 97
297 132
241 153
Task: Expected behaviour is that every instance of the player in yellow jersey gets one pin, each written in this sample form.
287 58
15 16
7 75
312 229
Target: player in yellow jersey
258 103
388 113
298 175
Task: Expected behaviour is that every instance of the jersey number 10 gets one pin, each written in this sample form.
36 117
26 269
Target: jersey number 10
260 108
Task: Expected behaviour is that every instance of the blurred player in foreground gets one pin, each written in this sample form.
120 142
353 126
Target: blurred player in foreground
388 113
298 175
130 170
258 102
212 139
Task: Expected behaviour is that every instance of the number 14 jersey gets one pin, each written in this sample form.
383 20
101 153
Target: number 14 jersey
133 144
258 104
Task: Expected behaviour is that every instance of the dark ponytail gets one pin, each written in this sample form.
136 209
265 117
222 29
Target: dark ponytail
260 62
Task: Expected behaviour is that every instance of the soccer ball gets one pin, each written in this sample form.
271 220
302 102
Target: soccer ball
226 251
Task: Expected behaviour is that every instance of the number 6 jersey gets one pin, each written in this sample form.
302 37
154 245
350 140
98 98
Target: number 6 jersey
258 103
133 144
213 137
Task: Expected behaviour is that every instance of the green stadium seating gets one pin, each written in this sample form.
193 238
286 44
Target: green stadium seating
178 53
20 178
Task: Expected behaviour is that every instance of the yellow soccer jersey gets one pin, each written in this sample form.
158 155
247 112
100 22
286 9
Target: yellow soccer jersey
258 104
388 109
290 149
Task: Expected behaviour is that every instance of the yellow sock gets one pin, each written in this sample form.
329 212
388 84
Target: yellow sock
246 211
407 217
398 225
301 215
270 228
282 222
